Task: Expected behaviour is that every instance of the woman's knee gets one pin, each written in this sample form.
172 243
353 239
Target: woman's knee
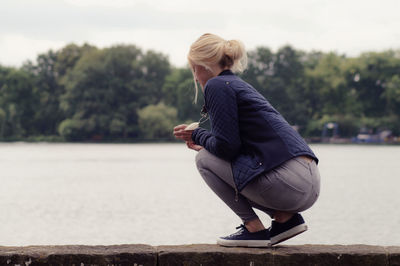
201 158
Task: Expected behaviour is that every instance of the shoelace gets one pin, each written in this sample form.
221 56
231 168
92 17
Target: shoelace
241 226
240 231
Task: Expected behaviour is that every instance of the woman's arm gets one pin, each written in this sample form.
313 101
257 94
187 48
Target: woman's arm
224 139
186 135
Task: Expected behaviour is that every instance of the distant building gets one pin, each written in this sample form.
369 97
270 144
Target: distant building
365 136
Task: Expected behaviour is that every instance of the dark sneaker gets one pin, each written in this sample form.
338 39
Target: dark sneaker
243 238
282 231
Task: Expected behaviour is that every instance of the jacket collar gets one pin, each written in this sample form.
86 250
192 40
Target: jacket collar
226 72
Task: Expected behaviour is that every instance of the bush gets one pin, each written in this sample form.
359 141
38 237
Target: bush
2 122
42 138
348 125
157 121
70 129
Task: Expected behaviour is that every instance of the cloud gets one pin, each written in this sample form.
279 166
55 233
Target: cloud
105 3
171 26
60 20
20 49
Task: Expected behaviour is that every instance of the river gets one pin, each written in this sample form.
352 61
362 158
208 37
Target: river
104 194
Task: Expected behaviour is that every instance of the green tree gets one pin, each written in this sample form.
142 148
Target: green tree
288 86
48 113
260 69
49 71
279 77
392 95
106 88
179 92
371 73
83 93
157 121
328 90
18 101
68 56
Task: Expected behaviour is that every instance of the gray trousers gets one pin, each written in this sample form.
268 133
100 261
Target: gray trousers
292 187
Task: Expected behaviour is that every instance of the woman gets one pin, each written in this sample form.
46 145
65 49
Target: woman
251 157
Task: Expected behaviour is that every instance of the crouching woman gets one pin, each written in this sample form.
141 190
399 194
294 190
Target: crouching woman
251 157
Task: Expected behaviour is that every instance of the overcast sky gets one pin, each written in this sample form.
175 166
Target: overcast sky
30 27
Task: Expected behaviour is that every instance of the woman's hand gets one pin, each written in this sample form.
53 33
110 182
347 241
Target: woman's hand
186 135
193 146
182 134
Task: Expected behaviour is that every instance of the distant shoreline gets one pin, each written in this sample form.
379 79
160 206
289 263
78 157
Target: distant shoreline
330 141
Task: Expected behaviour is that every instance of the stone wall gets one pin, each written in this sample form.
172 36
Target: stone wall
204 255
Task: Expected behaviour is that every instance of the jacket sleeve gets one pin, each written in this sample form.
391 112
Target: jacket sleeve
224 139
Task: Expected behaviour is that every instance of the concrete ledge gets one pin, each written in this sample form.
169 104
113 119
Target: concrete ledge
132 255
187 255
280 255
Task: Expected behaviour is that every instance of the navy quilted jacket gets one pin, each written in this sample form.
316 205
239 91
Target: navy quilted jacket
246 130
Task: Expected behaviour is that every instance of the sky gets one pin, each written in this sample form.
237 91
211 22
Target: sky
349 27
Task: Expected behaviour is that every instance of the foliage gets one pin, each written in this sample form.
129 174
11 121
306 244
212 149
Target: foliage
83 93
105 89
18 102
179 91
156 121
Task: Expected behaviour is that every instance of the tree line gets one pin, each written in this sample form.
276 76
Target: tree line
122 93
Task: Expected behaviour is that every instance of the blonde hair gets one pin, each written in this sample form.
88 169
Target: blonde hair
211 50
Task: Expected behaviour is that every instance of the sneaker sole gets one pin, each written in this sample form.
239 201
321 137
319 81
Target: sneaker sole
243 243
288 234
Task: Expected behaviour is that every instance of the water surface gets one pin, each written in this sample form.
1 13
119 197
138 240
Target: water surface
103 194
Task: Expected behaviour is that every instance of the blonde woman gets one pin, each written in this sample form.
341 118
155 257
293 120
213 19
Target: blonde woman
251 157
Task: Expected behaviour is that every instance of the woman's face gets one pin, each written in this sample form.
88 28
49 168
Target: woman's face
202 75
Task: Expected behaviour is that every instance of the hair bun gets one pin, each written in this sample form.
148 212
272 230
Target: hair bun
210 50
235 50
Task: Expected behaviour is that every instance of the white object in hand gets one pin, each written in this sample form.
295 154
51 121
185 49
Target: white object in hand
192 126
